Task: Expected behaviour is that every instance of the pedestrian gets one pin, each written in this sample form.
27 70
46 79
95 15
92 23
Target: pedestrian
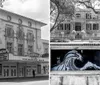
33 73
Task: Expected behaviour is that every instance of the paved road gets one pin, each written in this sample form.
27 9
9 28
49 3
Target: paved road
42 82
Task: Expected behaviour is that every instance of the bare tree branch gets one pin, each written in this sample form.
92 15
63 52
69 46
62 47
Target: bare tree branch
88 4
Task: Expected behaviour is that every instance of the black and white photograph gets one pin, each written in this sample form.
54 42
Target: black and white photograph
74 42
24 42
74 20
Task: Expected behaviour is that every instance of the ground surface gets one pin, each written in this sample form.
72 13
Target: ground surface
25 81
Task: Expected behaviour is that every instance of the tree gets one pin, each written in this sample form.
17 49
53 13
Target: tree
70 5
59 11
90 4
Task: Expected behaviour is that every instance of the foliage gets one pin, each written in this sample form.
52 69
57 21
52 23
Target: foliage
66 8
59 10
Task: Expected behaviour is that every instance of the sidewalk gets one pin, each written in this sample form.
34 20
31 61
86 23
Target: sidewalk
37 78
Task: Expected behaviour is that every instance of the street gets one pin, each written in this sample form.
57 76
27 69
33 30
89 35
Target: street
42 82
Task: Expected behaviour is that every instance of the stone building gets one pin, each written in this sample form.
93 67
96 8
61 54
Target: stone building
20 43
85 25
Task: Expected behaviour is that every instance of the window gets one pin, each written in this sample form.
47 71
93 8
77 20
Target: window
64 26
78 15
61 26
29 24
30 49
77 26
20 21
88 15
0 69
9 18
9 32
30 37
13 72
20 33
67 26
10 47
6 72
20 49
95 26
88 26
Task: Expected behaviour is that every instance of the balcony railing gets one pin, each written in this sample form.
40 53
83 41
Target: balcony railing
34 54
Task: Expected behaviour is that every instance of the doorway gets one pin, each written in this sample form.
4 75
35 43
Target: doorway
78 36
77 26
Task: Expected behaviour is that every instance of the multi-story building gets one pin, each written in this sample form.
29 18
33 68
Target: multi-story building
20 43
81 34
45 55
85 25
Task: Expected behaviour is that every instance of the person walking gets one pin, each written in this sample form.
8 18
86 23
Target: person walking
33 73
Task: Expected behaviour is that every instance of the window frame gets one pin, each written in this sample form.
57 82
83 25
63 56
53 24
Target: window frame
20 49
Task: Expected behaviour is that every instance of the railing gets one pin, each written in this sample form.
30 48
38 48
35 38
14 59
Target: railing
34 54
45 55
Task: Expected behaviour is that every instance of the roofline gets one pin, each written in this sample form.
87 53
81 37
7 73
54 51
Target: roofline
42 23
45 41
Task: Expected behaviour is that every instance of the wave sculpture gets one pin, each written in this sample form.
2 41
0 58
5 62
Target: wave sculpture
68 62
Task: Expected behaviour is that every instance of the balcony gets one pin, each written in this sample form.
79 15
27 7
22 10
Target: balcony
45 55
33 54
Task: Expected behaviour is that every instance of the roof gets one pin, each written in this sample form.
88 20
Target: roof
42 24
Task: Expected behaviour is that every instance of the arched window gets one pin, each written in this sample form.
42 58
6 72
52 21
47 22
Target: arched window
9 18
29 24
20 21
20 33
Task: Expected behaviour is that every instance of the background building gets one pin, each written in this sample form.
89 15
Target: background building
45 55
20 45
85 25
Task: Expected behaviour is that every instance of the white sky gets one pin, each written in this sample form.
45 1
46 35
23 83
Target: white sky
35 9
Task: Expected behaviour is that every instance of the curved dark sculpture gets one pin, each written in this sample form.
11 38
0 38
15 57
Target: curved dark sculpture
69 62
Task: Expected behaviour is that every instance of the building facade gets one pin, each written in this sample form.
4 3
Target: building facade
85 25
20 42
45 55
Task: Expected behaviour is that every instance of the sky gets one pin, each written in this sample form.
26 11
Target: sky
35 9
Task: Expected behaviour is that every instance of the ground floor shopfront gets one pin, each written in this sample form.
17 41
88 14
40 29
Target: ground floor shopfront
12 69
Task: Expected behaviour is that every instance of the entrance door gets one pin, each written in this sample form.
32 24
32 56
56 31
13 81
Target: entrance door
78 36
0 69
22 69
39 69
77 26
44 69
13 71
6 71
21 72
